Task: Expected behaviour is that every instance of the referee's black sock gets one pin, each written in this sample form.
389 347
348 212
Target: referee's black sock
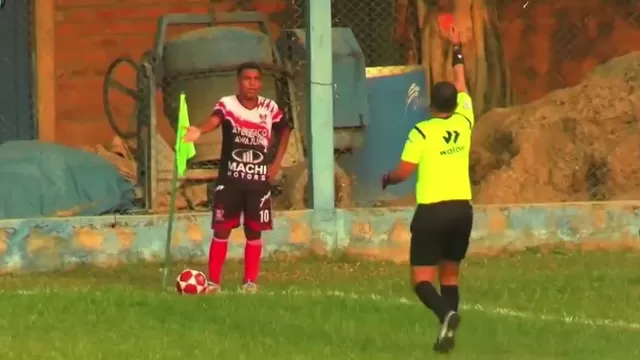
451 295
431 299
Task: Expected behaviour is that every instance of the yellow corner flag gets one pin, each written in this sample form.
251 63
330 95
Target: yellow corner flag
184 151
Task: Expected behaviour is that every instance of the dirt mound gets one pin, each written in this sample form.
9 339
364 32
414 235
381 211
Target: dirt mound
575 144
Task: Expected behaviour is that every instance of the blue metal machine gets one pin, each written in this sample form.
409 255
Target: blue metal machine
350 111
396 103
374 109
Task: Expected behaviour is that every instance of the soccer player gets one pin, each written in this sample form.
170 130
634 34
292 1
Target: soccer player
249 123
441 227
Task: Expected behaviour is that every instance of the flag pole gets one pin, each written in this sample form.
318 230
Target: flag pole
172 205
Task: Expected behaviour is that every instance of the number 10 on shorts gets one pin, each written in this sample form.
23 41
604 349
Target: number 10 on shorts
265 216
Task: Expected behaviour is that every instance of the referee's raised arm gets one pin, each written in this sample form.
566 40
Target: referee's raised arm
458 62
465 104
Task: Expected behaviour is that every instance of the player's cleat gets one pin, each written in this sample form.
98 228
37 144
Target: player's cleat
447 337
212 288
249 288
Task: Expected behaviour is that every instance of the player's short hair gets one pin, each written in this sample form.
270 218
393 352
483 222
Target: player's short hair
250 65
444 97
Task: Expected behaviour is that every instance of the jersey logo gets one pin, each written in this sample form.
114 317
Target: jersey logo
248 156
263 119
451 135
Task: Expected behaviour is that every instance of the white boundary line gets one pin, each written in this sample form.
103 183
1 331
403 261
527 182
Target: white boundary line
496 311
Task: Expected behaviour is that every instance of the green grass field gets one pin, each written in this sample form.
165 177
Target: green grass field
517 307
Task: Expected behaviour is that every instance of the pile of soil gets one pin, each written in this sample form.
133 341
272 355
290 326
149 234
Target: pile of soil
576 144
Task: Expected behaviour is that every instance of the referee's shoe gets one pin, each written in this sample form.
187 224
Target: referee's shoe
447 337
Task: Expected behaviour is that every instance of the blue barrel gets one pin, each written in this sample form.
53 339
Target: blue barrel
397 101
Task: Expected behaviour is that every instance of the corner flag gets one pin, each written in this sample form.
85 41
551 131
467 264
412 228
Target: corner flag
184 151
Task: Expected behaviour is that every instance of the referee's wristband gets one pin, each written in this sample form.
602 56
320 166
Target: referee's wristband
457 58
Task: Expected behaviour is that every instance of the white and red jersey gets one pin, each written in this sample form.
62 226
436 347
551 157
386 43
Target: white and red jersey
246 137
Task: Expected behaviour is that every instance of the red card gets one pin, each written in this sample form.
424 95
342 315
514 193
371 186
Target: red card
445 20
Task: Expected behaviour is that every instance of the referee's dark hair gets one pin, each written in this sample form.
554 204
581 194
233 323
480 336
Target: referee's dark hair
444 97
250 65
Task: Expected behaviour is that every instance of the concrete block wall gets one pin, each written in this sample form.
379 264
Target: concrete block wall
373 233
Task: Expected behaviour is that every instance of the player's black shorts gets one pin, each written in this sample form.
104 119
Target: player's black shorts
233 201
440 231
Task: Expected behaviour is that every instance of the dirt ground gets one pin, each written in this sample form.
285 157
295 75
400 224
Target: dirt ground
576 144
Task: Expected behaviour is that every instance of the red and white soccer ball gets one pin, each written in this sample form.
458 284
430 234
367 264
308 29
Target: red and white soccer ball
191 282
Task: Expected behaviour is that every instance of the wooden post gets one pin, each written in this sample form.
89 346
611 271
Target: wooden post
45 75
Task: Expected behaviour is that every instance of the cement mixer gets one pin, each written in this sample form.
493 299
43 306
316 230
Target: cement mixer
202 64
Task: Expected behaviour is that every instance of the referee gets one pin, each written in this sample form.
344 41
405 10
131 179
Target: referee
439 149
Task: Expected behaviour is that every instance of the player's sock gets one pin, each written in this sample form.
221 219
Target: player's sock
431 299
252 254
451 294
217 257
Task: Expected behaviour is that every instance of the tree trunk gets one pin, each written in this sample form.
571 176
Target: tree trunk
486 70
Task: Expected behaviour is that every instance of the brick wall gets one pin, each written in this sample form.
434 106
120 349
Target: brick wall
90 34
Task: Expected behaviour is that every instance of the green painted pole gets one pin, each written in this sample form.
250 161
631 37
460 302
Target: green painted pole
320 103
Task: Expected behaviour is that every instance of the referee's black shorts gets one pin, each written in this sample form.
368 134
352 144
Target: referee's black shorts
440 231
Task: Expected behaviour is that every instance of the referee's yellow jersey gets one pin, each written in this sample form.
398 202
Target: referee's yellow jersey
441 148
